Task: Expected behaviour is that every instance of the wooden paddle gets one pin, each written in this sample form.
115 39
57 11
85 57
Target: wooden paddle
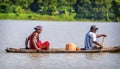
102 44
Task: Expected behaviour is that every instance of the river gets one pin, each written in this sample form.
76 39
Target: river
59 33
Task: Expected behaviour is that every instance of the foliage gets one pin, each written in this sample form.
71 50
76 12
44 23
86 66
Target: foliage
92 10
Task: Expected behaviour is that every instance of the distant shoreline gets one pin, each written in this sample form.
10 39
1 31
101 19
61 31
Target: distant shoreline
34 16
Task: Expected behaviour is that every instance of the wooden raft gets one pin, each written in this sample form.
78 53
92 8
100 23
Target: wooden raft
62 50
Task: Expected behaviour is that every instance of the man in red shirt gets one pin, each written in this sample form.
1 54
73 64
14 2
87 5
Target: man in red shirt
34 41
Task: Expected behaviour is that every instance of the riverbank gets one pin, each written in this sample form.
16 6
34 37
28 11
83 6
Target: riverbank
34 16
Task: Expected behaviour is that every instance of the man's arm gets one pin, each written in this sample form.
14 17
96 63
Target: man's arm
35 35
95 42
101 35
26 43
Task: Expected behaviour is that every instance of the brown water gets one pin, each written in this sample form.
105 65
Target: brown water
13 33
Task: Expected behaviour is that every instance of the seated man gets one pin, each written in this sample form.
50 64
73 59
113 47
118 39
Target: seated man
34 41
90 38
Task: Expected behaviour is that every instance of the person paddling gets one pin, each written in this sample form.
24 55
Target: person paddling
34 42
90 38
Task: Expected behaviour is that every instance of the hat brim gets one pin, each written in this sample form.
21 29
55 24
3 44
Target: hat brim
37 28
96 29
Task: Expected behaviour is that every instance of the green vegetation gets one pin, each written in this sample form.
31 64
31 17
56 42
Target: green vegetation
67 10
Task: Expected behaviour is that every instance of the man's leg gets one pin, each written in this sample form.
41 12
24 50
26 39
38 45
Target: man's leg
45 45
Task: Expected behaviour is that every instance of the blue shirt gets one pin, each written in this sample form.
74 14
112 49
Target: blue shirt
89 38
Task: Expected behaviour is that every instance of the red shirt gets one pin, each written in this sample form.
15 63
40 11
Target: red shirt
38 43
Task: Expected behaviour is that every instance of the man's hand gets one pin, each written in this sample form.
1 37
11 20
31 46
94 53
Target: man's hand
101 46
104 35
38 49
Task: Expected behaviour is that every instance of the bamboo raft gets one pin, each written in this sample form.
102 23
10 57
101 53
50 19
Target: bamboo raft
62 50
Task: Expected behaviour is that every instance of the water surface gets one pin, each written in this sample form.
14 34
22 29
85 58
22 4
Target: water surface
14 32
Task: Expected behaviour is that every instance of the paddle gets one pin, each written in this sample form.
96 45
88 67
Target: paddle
102 44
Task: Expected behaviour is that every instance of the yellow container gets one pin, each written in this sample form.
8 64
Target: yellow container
71 47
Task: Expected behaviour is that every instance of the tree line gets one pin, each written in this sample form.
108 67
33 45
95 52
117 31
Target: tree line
107 10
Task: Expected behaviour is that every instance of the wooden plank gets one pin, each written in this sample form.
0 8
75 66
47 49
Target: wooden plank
62 50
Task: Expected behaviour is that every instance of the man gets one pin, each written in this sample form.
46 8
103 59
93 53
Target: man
34 41
90 38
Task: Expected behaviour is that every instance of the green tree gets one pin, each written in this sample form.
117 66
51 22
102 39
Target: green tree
35 6
83 9
6 8
116 8
94 9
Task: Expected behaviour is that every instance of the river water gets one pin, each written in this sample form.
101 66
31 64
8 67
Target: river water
59 33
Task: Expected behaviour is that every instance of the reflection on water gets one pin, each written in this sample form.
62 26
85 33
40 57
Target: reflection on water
93 56
36 55
13 33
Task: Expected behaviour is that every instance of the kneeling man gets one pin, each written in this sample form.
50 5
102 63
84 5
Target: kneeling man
90 38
